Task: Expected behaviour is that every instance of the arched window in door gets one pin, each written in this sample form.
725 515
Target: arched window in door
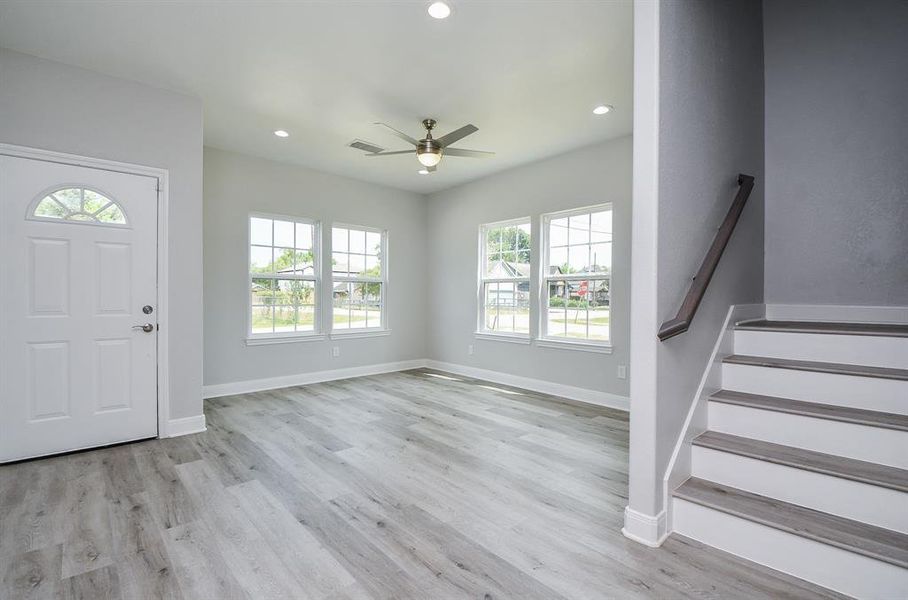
79 204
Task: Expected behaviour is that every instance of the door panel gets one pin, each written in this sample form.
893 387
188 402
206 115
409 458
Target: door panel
48 376
77 267
113 265
49 277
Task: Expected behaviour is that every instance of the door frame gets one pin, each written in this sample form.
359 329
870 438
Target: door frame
162 367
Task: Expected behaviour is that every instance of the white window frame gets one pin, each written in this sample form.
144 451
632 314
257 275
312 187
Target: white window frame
482 280
383 329
543 339
317 333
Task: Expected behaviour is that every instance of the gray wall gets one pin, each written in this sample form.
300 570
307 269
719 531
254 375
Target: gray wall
236 185
837 152
44 104
600 173
711 129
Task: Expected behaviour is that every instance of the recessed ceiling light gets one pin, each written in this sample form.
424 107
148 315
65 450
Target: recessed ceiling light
423 171
602 109
281 133
439 10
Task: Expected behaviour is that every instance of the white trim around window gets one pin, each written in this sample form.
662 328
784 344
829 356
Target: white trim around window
284 279
504 281
358 268
575 270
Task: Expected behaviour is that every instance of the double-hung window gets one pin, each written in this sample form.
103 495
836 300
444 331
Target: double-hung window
283 277
359 278
577 268
505 250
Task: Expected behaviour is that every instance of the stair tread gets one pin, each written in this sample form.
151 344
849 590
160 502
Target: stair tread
872 329
799 458
818 367
872 418
855 536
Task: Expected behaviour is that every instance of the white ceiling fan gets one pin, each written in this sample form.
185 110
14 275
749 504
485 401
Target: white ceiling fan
429 150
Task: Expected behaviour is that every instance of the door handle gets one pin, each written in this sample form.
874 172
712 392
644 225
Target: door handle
147 327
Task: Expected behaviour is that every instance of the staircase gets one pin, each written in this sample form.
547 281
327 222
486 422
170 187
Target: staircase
804 467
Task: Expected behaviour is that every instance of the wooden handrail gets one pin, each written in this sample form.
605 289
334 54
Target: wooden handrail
700 282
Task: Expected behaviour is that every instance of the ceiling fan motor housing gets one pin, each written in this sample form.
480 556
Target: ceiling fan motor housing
428 151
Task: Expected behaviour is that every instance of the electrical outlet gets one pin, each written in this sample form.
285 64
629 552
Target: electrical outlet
470 349
622 372
335 351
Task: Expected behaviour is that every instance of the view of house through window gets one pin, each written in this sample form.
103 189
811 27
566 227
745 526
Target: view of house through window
283 276
577 274
505 290
358 277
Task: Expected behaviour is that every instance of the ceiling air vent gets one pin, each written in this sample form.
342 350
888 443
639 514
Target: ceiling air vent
367 146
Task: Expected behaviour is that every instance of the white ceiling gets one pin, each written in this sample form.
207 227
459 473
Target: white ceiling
527 73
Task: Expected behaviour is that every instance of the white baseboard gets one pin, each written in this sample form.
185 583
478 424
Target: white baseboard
272 383
836 313
570 392
646 529
184 426
536 385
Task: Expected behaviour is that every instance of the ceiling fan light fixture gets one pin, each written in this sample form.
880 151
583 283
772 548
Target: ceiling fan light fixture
428 158
439 10
428 150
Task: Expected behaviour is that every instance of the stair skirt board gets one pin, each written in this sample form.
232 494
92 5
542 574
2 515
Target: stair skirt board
852 440
855 500
870 393
849 349
819 563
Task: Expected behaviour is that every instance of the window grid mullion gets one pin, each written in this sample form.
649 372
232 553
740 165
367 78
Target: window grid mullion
295 307
576 251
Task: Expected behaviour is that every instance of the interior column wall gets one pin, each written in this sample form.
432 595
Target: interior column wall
710 128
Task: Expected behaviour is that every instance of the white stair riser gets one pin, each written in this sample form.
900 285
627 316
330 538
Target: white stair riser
825 565
878 351
871 393
851 440
853 500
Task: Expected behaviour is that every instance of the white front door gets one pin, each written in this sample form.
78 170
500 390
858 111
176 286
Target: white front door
77 267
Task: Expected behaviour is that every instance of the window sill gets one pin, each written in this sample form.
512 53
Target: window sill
265 340
359 333
502 337
575 345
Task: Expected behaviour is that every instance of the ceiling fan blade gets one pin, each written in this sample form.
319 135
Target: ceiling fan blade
468 153
399 133
457 134
390 153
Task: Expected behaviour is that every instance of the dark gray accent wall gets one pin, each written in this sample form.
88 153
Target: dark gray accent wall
837 152
710 129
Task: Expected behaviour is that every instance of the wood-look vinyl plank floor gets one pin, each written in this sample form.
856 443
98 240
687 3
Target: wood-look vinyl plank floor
402 485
